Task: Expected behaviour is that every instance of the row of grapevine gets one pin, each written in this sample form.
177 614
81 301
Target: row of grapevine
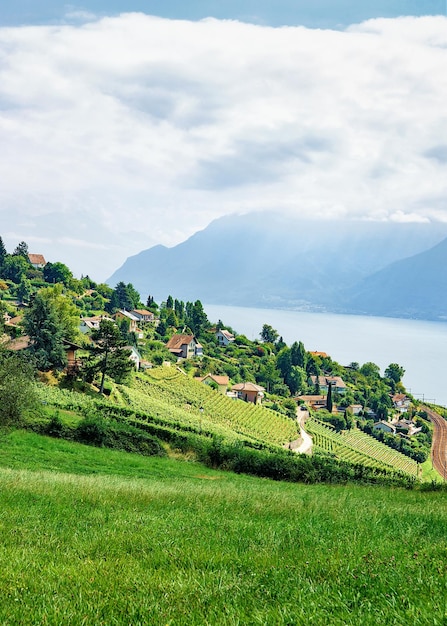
358 447
201 402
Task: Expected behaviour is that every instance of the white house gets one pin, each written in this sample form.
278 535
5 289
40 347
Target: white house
224 337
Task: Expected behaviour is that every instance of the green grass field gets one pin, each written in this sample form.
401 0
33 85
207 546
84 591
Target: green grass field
94 536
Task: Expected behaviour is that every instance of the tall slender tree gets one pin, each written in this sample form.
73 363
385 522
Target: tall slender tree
329 402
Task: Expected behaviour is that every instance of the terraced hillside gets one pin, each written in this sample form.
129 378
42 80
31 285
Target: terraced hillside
356 446
168 391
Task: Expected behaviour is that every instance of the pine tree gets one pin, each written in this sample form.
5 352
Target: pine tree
3 252
46 335
21 250
110 357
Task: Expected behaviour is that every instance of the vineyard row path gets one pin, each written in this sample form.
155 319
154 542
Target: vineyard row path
439 444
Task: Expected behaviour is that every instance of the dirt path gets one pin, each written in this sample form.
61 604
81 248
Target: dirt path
439 444
305 446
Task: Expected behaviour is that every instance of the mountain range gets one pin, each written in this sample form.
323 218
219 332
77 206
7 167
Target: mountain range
268 260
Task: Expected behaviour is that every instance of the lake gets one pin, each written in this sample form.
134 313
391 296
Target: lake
419 347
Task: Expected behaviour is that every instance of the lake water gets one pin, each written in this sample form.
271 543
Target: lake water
419 347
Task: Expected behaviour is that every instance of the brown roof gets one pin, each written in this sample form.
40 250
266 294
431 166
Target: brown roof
37 259
310 398
18 344
322 354
142 312
14 321
399 397
220 380
337 381
177 341
247 387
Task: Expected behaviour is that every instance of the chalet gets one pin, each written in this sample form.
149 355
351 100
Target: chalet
314 401
134 356
37 261
87 324
224 337
336 382
401 402
184 346
143 316
132 319
323 355
222 382
73 363
250 392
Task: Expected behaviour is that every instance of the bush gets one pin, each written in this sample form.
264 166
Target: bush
91 430
55 427
97 431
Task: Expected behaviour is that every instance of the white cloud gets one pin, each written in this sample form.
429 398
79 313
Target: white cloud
130 131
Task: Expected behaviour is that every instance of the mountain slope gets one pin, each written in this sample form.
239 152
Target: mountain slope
267 260
412 287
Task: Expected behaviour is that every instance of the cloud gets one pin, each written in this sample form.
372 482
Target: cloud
130 131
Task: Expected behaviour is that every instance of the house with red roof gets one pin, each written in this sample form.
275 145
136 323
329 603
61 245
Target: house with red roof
250 392
37 261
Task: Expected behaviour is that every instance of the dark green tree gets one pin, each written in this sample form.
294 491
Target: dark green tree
394 372
170 302
109 354
24 290
133 296
297 380
57 273
370 370
15 268
284 363
179 308
21 250
124 297
171 318
46 334
161 328
268 334
196 317
329 403
3 252
298 354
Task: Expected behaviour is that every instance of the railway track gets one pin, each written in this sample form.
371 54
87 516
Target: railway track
439 444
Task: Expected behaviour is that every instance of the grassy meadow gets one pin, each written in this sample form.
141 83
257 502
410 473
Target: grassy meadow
95 536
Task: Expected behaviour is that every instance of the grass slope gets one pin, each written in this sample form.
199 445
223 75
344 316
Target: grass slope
92 536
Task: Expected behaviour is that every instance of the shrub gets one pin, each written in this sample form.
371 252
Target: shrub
91 430
96 431
55 427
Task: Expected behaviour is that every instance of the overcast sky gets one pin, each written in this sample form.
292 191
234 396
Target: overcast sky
122 131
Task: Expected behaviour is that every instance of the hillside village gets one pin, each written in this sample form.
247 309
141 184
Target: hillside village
78 331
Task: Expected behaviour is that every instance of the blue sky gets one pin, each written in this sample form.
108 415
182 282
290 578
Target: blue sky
311 13
120 131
